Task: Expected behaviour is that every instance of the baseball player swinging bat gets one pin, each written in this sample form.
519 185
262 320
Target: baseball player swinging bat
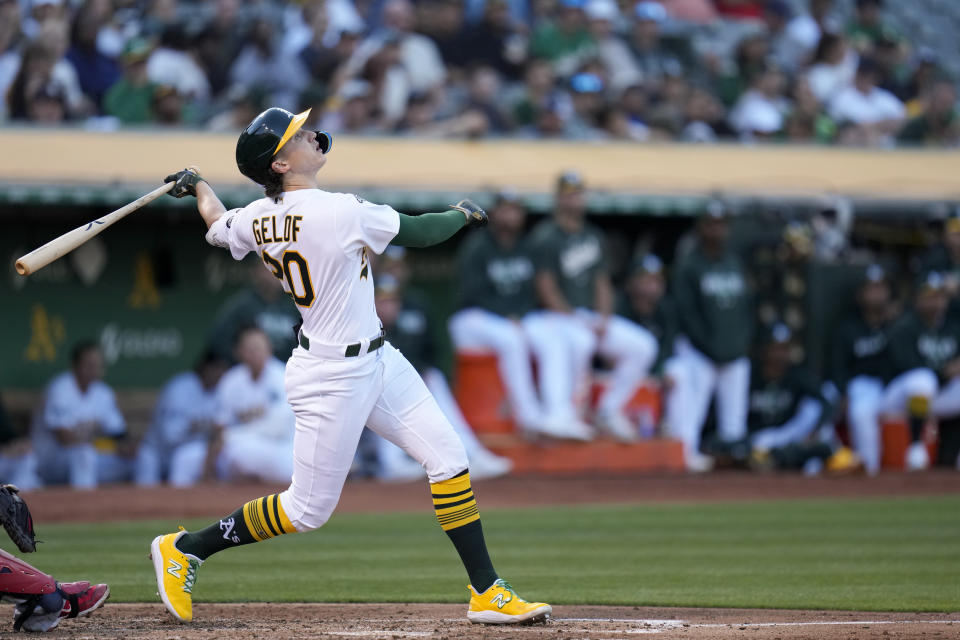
62 245
343 376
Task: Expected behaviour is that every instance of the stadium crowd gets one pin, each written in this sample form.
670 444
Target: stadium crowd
692 70
713 329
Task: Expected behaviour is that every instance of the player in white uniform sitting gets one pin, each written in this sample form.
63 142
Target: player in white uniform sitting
343 375
176 446
79 434
257 436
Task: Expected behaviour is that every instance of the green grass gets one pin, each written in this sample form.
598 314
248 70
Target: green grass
875 554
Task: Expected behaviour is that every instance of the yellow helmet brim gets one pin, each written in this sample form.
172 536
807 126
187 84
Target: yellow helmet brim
295 124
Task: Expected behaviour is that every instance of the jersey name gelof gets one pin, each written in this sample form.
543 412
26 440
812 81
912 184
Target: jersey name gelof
265 229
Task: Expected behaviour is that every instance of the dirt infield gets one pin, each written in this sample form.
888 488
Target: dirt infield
131 503
447 622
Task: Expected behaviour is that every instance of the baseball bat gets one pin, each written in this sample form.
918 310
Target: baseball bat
62 245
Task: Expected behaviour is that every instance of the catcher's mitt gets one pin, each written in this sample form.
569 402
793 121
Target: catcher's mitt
16 518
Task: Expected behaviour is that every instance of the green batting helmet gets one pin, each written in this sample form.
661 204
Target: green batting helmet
265 136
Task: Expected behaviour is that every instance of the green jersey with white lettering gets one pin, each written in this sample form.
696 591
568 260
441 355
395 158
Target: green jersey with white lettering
914 344
773 402
714 304
860 350
495 278
574 259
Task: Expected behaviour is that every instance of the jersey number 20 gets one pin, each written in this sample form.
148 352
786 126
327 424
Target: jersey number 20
282 270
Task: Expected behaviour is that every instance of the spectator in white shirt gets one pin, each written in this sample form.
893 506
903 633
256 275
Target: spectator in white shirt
834 67
761 109
804 30
418 54
264 64
613 52
872 115
173 64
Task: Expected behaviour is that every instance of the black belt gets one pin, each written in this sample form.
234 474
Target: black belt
352 350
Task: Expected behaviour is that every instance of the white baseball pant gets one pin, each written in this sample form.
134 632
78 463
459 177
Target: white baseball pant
333 399
796 429
20 470
82 466
564 345
702 380
867 399
864 398
181 465
915 383
480 329
947 402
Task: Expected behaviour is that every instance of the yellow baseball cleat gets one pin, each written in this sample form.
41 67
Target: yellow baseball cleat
176 574
500 604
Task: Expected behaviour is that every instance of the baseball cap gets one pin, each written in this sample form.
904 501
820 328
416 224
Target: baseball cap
931 281
874 274
386 284
569 182
650 11
716 209
507 194
586 83
394 252
779 333
602 10
646 263
164 91
136 50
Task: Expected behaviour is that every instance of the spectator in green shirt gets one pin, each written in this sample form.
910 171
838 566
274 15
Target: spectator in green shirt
938 124
867 26
130 99
565 39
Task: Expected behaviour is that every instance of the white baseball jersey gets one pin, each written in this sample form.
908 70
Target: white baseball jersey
182 409
316 242
66 406
257 405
